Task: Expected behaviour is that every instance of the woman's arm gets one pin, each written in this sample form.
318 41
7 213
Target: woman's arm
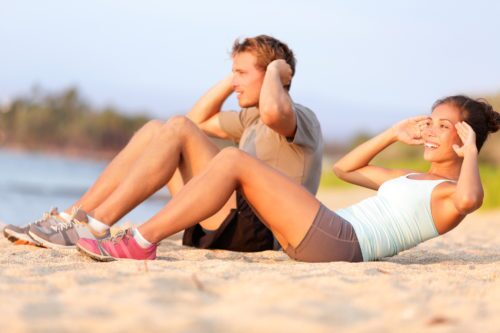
354 166
468 195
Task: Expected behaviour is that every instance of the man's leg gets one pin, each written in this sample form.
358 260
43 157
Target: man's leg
119 167
179 145
286 208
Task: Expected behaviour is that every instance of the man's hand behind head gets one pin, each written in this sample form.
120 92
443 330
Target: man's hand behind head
284 70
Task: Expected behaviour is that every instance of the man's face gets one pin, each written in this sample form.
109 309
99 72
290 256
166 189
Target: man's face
247 79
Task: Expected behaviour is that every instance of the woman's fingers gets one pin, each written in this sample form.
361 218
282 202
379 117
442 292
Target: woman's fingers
465 132
457 149
462 131
418 141
461 134
419 118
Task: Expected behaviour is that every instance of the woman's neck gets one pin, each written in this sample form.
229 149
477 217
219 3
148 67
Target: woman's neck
448 170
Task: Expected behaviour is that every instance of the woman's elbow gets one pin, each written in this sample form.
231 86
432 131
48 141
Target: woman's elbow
468 204
338 171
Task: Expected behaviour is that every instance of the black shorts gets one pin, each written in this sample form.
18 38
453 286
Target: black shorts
242 231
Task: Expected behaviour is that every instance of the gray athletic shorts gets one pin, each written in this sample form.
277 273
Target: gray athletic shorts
330 238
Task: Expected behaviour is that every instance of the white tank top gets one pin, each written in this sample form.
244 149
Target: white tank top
397 218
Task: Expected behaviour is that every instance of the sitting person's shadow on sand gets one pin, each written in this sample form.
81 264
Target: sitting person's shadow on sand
438 251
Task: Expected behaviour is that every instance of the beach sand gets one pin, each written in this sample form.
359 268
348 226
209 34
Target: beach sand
448 284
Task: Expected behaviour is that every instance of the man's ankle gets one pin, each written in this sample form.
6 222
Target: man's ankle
65 216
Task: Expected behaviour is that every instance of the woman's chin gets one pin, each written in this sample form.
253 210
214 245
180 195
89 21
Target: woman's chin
428 156
432 156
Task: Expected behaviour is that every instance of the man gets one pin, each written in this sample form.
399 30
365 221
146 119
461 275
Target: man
270 126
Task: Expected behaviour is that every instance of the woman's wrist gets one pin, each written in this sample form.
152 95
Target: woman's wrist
391 134
470 151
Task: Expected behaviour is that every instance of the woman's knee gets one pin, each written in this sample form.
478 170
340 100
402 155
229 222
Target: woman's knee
230 155
231 161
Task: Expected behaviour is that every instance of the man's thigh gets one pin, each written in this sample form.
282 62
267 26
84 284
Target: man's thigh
197 151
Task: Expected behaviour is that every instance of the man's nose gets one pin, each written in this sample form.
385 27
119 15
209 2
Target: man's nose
234 81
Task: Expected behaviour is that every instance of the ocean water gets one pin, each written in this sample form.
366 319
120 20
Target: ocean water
32 183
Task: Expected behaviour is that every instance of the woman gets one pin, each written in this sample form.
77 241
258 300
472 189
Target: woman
409 208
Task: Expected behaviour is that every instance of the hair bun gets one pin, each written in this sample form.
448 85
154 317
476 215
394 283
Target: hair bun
493 119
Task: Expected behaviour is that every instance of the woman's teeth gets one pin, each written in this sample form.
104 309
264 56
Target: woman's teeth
431 145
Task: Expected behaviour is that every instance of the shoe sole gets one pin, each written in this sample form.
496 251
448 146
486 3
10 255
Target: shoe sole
49 245
101 258
14 237
93 255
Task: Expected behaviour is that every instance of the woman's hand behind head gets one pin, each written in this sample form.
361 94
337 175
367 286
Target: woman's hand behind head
468 137
409 131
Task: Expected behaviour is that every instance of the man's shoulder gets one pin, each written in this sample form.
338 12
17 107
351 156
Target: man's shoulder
250 109
305 111
248 116
250 112
301 107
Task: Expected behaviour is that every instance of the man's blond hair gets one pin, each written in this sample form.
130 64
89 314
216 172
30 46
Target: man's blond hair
266 49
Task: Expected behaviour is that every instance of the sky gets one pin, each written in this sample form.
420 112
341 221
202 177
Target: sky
362 65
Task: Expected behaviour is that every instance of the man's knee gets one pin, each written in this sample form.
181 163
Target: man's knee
174 128
180 124
151 128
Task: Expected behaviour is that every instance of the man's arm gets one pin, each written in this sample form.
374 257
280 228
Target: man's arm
275 104
205 113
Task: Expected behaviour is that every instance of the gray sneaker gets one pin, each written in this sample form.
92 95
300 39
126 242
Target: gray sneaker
15 233
65 235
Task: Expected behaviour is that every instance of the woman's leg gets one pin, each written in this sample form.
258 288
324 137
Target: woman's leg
287 208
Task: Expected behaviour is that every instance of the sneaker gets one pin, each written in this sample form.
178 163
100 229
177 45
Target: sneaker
121 246
65 235
17 234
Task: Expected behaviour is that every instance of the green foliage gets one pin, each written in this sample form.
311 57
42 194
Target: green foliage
64 120
490 177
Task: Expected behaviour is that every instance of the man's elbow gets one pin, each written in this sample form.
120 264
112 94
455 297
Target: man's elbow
274 114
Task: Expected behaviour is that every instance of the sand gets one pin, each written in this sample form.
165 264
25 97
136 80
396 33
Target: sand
448 284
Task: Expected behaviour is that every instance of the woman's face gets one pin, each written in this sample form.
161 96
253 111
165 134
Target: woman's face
440 134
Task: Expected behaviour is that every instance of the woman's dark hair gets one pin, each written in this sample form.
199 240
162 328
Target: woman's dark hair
478 113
